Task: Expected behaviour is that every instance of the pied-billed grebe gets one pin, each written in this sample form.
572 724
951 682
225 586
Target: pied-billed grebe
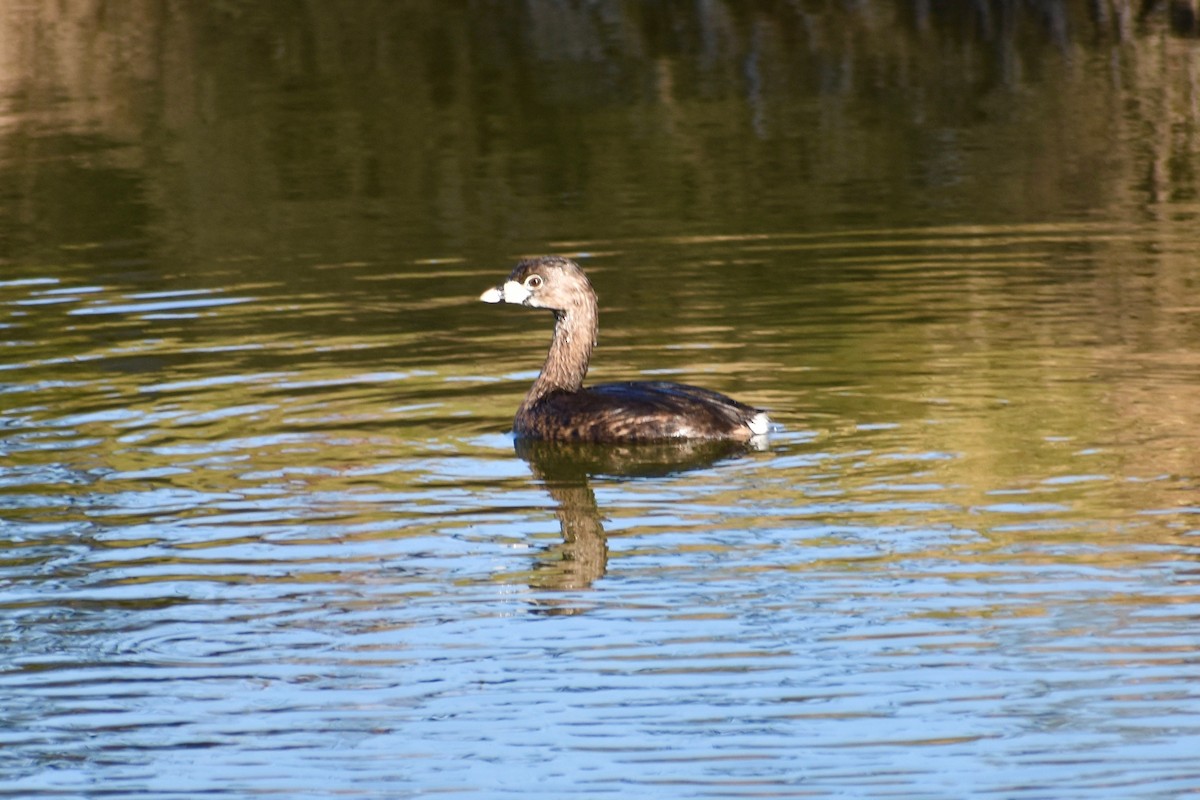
559 407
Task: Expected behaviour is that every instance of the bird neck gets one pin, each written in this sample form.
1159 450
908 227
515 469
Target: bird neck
570 351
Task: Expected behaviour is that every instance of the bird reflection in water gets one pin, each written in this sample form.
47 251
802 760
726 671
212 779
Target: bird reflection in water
566 470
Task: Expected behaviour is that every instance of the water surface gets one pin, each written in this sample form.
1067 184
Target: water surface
265 529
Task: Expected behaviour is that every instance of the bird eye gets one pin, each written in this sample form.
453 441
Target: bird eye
533 281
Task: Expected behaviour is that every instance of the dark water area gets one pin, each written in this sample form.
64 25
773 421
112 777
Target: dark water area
264 529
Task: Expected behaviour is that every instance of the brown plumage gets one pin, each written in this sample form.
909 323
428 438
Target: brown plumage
558 406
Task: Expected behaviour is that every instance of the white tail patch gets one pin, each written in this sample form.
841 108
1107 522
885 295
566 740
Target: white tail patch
759 424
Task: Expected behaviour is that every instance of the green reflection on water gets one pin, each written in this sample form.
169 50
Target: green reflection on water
424 129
